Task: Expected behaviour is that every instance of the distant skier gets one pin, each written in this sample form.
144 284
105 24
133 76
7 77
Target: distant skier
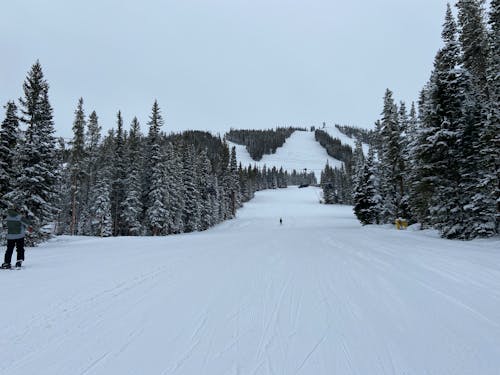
16 230
281 221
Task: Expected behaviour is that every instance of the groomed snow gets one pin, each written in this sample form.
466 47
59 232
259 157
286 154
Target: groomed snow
300 151
344 139
318 295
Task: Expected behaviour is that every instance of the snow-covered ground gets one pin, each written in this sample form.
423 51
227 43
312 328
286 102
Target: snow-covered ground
300 151
318 295
344 139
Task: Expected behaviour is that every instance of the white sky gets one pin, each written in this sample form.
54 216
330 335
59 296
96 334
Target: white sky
223 63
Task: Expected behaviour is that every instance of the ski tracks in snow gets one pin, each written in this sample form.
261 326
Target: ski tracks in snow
318 295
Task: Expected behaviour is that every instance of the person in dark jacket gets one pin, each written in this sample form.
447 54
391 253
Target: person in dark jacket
16 230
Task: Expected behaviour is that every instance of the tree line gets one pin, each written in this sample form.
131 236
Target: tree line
123 182
439 165
260 142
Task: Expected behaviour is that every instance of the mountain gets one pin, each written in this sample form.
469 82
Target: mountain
300 151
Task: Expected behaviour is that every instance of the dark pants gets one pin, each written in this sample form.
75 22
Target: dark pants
19 244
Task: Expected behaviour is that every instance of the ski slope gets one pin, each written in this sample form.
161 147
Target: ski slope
299 152
344 139
318 295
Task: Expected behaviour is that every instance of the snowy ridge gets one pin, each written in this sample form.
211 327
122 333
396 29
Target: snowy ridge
318 295
300 151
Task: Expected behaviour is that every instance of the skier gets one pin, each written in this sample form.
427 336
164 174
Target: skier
16 230
281 221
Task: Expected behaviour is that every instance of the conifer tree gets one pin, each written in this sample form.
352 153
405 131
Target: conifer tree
438 151
481 143
191 213
77 168
118 177
156 211
91 158
366 199
35 190
207 190
390 156
132 205
9 135
101 204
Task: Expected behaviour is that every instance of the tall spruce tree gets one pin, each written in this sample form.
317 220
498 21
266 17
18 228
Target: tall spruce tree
156 211
439 150
367 200
191 213
77 168
118 177
91 166
35 190
490 136
479 215
132 205
390 160
9 135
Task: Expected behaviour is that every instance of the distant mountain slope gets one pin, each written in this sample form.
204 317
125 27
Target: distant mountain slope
334 132
300 151
260 142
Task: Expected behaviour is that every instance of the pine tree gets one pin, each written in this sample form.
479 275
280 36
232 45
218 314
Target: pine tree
118 177
35 190
77 168
474 41
390 157
9 135
92 143
174 186
367 201
484 206
156 211
132 205
438 151
101 206
192 199
207 191
234 183
477 200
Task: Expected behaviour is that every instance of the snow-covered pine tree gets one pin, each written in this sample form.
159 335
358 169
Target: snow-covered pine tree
438 151
390 161
234 182
132 205
366 206
102 222
473 39
77 169
206 188
175 189
328 184
92 143
192 198
9 135
409 150
35 190
118 176
156 211
490 135
358 162
224 177
479 217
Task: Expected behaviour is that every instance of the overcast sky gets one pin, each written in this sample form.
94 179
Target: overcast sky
224 63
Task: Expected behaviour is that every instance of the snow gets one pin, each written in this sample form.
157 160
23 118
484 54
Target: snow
298 152
344 139
318 295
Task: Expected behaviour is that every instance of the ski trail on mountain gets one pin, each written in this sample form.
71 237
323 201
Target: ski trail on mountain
317 295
